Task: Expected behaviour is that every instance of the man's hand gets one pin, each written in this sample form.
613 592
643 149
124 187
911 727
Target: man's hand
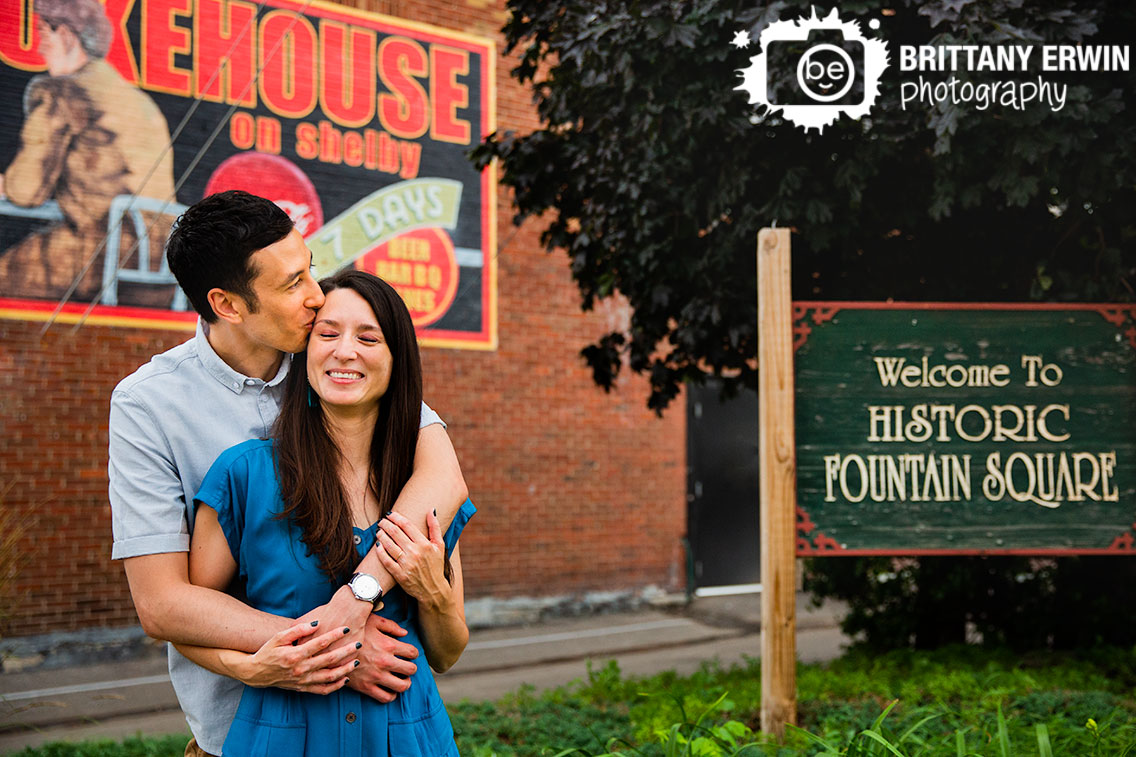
385 666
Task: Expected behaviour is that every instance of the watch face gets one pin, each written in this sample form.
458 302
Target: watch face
366 587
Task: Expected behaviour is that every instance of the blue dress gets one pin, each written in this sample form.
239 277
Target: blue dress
282 579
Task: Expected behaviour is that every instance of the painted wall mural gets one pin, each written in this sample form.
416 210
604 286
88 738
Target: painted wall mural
116 116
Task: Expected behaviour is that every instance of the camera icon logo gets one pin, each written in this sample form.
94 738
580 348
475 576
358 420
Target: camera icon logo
813 70
825 73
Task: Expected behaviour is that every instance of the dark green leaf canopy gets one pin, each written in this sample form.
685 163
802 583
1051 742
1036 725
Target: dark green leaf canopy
659 173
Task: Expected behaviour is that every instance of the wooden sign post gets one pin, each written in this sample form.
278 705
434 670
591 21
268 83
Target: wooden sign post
777 454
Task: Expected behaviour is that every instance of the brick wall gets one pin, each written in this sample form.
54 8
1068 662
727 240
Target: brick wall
578 490
54 402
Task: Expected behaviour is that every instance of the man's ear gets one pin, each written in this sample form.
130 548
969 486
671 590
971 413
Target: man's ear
228 306
67 37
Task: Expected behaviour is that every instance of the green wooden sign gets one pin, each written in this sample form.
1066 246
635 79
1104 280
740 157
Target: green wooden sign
965 429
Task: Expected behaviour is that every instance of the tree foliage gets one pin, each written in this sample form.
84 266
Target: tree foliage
1005 601
658 174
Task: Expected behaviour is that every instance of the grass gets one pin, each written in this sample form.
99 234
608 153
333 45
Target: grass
161 746
955 702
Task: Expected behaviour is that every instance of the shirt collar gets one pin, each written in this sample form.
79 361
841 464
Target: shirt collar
234 380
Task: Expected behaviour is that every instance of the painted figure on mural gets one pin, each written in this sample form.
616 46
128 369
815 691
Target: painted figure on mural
87 137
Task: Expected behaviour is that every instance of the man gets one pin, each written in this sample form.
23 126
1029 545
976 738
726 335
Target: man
87 137
246 270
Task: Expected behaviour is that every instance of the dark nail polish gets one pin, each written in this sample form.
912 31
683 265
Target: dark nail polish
435 512
356 663
346 631
346 680
293 643
358 645
315 623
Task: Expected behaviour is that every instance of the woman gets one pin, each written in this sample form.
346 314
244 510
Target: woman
342 449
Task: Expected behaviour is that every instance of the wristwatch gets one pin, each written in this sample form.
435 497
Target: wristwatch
366 587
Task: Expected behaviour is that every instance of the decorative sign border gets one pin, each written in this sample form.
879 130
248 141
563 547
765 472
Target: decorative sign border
808 317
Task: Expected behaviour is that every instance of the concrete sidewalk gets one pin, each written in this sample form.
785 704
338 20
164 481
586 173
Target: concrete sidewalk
122 699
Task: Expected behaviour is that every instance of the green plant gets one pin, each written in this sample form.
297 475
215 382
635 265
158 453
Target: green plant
136 746
1015 602
952 702
524 724
1043 747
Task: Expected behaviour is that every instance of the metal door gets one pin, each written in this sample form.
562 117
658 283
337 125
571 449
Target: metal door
722 487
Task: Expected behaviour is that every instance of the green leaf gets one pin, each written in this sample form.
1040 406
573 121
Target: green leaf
1043 747
881 740
911 731
829 748
1003 734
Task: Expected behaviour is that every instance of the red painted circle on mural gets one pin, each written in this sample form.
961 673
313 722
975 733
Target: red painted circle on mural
275 178
421 265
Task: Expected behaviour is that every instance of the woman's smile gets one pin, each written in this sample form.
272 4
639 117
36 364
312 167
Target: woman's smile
349 361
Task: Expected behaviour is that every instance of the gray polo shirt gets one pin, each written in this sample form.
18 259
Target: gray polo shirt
169 420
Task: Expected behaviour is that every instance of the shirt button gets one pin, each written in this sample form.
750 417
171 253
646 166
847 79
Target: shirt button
350 717
357 539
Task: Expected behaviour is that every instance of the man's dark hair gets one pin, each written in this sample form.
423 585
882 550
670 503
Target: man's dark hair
85 18
212 243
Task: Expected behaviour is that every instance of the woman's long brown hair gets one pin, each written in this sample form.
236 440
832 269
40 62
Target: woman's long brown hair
308 459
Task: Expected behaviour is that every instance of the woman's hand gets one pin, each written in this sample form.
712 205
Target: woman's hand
414 560
417 562
286 661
